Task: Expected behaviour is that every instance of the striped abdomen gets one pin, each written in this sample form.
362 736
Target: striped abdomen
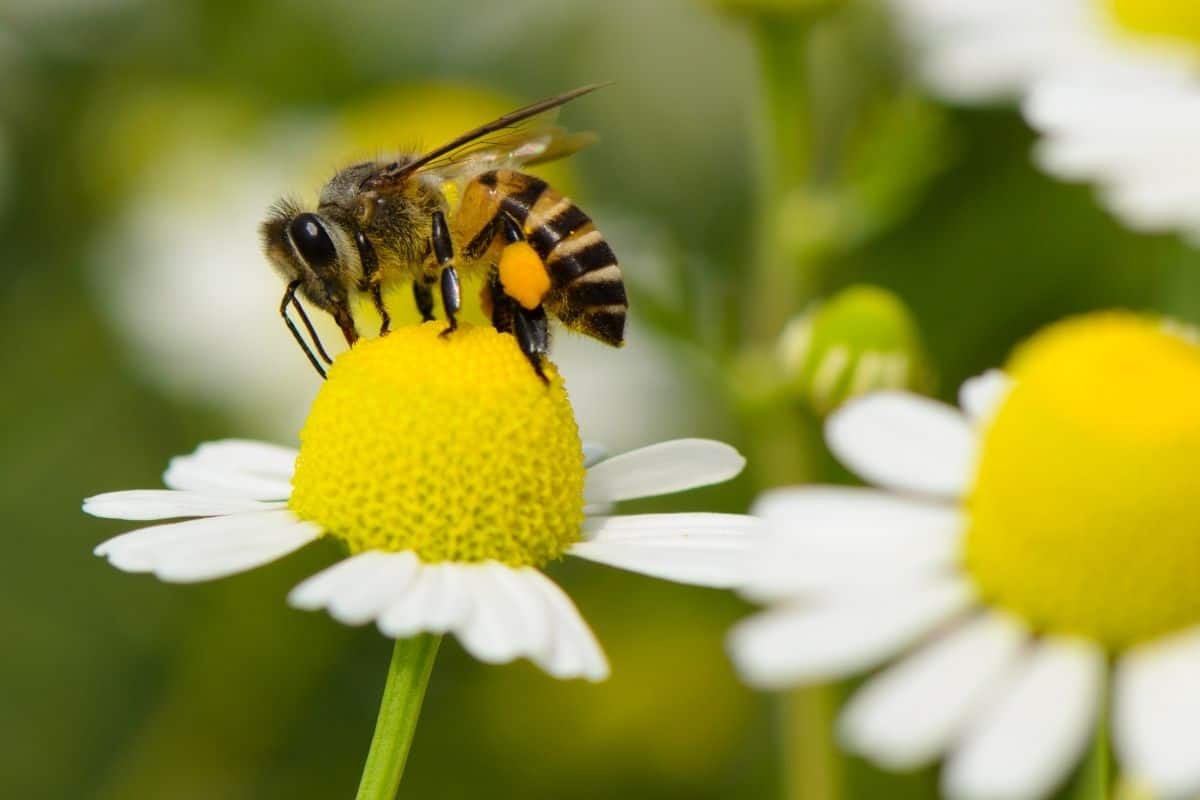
586 291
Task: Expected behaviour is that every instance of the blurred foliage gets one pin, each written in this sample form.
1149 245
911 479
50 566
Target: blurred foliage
121 687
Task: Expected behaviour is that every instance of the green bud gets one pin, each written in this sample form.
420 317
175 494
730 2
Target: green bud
862 339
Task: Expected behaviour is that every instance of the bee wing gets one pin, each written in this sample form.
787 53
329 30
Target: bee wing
523 137
525 147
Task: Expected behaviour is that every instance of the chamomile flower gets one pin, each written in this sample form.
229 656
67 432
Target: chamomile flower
452 474
1113 86
1025 556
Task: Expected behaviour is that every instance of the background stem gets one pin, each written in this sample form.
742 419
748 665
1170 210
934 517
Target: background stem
408 675
785 144
783 284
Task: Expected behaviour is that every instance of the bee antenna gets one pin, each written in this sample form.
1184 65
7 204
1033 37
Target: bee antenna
289 298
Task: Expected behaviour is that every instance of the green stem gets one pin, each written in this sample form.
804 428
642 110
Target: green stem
785 148
780 286
812 767
408 675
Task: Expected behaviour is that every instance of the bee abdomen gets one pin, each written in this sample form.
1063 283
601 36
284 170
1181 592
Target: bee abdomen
587 292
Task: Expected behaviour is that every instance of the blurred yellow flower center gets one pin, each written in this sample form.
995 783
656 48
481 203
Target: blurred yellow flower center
451 447
1176 19
1085 514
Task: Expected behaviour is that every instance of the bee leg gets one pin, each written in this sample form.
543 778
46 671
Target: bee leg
443 250
385 320
423 294
529 328
533 336
290 299
498 305
451 298
370 266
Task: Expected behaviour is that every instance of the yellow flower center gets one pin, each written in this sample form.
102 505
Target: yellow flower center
1175 19
448 446
1085 514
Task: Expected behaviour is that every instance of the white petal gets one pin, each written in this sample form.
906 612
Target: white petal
187 474
380 585
320 589
980 397
662 469
1030 738
702 549
509 619
437 599
168 504
593 453
903 441
906 716
254 458
825 539
1156 715
834 638
234 467
574 651
212 547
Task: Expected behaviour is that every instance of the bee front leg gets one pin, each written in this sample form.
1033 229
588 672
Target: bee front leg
443 250
370 268
423 294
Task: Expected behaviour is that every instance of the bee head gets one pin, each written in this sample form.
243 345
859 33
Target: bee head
316 251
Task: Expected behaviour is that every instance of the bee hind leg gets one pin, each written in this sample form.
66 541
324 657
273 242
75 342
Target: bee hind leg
533 336
529 328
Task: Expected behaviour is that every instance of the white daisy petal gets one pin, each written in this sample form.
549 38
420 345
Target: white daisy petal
493 632
1030 738
574 651
903 441
980 397
452 597
593 453
437 599
834 538
834 638
702 549
509 618
250 457
212 547
377 587
1156 715
319 590
906 716
188 473
140 504
662 469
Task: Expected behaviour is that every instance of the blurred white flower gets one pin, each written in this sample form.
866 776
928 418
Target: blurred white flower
184 281
1013 551
1113 86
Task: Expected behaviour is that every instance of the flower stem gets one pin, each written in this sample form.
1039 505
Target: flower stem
812 768
782 283
785 144
408 675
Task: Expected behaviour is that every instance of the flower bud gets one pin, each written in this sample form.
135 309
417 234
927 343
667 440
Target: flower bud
862 339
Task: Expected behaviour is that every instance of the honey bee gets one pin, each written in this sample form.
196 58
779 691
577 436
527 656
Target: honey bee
462 208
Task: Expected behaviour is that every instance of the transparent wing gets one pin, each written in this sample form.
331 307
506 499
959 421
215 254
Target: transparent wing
523 137
534 142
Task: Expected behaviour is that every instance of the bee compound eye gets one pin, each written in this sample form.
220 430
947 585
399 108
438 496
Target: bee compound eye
312 240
